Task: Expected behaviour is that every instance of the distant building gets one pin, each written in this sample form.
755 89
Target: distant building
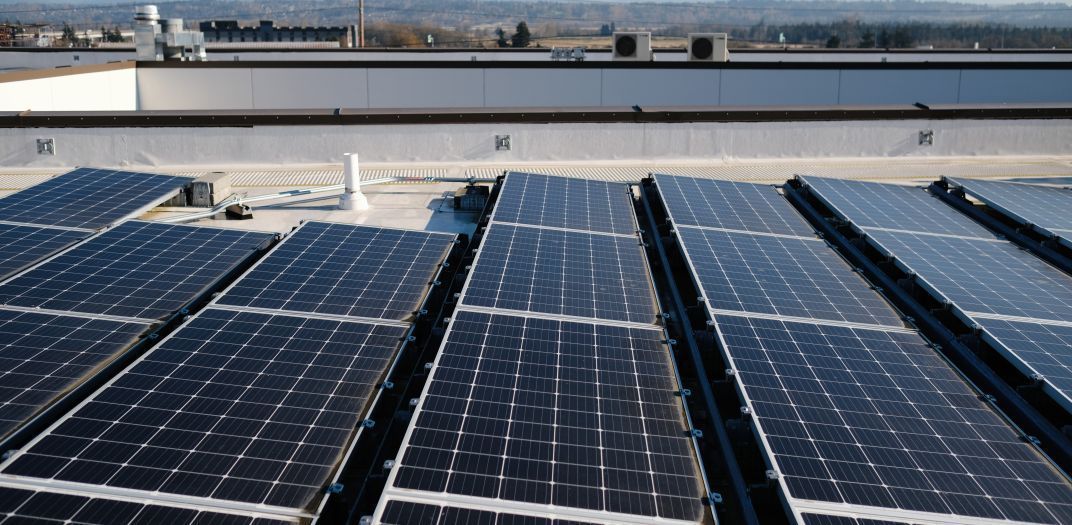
229 31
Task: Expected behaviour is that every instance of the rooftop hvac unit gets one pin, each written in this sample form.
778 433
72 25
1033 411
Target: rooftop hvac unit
632 47
708 47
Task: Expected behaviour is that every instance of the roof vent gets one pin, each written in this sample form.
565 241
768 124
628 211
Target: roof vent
146 14
157 39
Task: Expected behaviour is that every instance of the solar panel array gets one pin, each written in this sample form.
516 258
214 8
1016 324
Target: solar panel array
144 270
89 198
234 406
20 506
246 408
556 413
1046 208
984 277
552 399
45 219
887 206
408 512
834 519
781 276
22 246
42 356
561 272
729 205
878 419
55 327
1040 350
855 412
336 269
561 202
986 281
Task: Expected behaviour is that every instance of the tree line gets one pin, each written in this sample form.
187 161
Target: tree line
856 34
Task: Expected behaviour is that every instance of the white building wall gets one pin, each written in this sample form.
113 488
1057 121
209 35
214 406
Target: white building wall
994 86
227 88
417 88
273 88
509 87
900 87
667 87
540 143
115 90
468 87
756 87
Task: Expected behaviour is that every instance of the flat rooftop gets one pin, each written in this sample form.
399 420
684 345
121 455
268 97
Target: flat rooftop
418 201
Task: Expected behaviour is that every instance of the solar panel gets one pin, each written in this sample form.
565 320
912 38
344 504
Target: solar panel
347 270
89 198
878 419
875 205
138 269
22 246
21 506
830 519
553 415
987 277
781 276
1042 349
43 356
1049 208
560 202
408 512
245 407
729 205
563 273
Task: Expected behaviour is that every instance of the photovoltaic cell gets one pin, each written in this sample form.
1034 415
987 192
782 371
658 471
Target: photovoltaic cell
138 269
876 205
561 202
19 506
345 270
1046 350
878 419
410 513
233 406
563 273
559 414
1043 206
89 198
781 276
983 276
43 356
729 205
22 246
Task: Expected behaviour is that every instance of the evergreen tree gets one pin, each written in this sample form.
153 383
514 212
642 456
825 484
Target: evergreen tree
902 38
522 36
68 34
867 40
883 39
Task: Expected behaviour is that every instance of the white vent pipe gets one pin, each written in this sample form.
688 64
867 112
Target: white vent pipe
352 198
